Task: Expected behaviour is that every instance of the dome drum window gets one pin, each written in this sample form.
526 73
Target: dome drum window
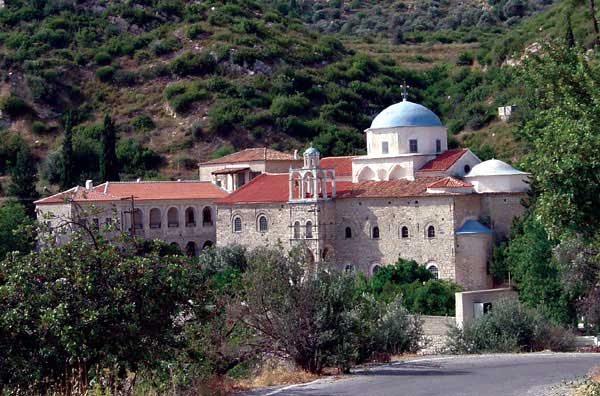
375 232
413 146
431 232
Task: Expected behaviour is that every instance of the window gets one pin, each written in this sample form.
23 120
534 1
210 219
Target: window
431 232
173 218
349 268
96 223
263 224
467 168
385 147
190 249
348 233
434 271
155 218
438 146
375 233
297 230
309 229
207 217
413 145
404 232
237 224
190 217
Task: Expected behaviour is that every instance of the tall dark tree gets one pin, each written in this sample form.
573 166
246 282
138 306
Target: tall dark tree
68 178
569 36
109 167
592 5
23 179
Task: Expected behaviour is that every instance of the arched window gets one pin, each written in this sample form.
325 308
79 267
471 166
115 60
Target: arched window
263 224
325 253
467 168
297 230
309 229
431 232
138 219
375 232
190 248
155 218
434 271
404 232
237 224
173 217
190 217
374 269
348 233
207 217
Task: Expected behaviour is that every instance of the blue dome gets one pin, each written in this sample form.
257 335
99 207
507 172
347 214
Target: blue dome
406 114
311 151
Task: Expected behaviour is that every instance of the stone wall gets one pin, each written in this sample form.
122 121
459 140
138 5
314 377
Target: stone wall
502 209
362 252
435 329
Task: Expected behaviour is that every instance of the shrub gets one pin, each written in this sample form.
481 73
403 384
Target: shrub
222 151
39 127
102 58
105 73
124 77
195 31
283 106
509 327
465 59
143 122
193 64
181 96
14 106
186 162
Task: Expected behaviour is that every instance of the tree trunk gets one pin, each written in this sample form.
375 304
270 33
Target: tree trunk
595 21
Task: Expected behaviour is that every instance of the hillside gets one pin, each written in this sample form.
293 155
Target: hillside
188 81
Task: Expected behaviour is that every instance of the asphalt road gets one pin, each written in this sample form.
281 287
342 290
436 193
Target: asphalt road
486 375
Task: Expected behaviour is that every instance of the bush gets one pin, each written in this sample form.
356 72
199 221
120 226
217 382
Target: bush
39 128
182 96
222 151
143 123
14 106
185 162
283 106
509 327
102 58
318 319
124 77
195 31
105 73
193 64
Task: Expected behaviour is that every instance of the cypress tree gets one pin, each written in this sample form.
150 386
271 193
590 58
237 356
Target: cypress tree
109 168
23 179
569 36
67 178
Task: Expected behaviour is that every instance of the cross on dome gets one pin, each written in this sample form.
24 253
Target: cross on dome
405 91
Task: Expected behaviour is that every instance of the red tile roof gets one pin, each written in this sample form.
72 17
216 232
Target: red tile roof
342 165
252 154
443 161
449 182
270 187
114 191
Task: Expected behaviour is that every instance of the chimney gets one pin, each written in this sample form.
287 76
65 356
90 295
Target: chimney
295 154
89 185
139 179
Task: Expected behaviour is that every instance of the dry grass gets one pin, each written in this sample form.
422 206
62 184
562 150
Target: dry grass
273 373
590 387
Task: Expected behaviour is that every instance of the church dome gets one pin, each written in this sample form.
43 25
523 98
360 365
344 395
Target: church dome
493 167
311 151
406 114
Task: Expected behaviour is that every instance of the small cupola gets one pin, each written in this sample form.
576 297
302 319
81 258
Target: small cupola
311 157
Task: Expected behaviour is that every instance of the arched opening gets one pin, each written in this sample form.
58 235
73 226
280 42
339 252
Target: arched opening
348 233
138 219
349 268
297 230
374 269
263 224
433 269
155 218
173 217
207 217
207 244
309 185
398 172
237 224
326 253
365 174
431 232
296 182
309 229
190 217
404 232
190 249
375 232
381 174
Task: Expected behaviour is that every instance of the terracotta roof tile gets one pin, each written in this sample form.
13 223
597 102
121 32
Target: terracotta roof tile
252 154
267 187
114 191
443 161
449 182
342 165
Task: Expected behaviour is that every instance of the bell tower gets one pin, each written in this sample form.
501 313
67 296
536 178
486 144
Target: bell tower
311 182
